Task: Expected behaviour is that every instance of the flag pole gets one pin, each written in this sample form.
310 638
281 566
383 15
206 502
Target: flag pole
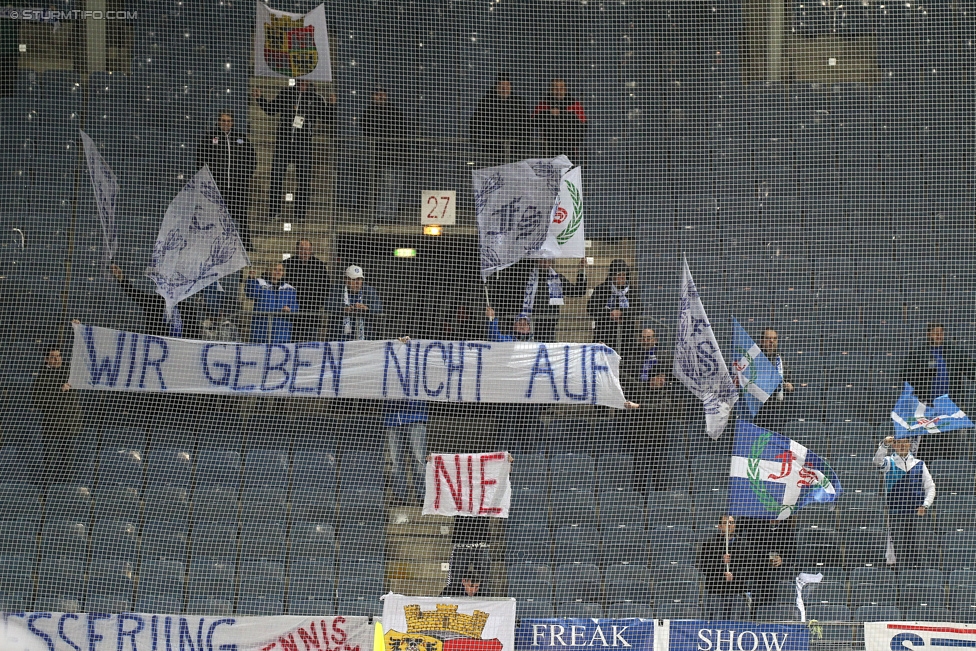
487 300
727 566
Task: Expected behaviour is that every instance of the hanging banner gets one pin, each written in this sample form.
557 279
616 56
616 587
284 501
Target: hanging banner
474 485
902 636
458 371
446 624
552 634
695 635
291 46
47 631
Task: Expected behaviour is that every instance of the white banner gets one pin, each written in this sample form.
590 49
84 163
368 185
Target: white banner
698 361
447 624
474 485
197 244
457 371
514 204
291 46
566 238
46 631
904 636
106 188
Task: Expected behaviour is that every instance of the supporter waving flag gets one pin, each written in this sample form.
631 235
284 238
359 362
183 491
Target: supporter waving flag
773 476
754 373
913 417
106 188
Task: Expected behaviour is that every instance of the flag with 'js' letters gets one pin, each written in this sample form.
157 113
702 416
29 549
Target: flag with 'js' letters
914 418
754 373
773 476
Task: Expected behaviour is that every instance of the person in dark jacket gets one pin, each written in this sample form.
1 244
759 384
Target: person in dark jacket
500 124
645 376
354 308
52 396
935 369
545 291
774 542
614 307
382 127
775 412
230 158
310 278
271 296
727 574
185 321
562 123
468 581
301 112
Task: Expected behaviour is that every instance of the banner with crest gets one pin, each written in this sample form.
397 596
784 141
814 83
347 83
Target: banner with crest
291 46
448 624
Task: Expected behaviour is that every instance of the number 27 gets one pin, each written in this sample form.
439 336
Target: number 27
432 214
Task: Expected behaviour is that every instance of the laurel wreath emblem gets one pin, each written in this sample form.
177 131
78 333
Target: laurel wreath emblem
577 219
758 486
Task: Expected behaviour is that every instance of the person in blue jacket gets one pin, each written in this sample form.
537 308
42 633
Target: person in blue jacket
521 328
270 296
353 308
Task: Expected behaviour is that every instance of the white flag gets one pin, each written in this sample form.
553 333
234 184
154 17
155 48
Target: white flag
197 243
698 361
106 188
514 204
291 46
566 238
472 485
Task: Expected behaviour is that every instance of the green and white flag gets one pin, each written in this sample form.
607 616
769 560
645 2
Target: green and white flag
565 238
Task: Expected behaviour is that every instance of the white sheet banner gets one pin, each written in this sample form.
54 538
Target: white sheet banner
446 624
456 371
106 188
904 636
291 46
474 485
566 238
46 631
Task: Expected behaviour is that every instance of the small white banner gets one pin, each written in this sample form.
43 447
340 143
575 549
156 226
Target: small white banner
47 631
474 485
291 46
445 371
448 624
885 636
438 207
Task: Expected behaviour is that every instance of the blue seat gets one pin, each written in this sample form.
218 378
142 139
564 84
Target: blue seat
615 472
219 467
264 540
577 582
262 580
535 608
127 438
579 609
115 539
117 501
864 548
212 502
574 508
112 583
818 548
18 538
628 584
168 502
64 539
164 540
211 579
312 583
621 508
154 603
877 614
214 540
528 544
572 472
360 595
530 505
671 546
20 502
169 467
315 469
17 579
362 506
577 544
357 471
203 605
120 466
61 577
313 542
264 503
529 581
266 468
530 471
956 513
361 544
162 579
313 505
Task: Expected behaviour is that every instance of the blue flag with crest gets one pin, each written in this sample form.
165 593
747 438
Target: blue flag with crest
914 418
754 373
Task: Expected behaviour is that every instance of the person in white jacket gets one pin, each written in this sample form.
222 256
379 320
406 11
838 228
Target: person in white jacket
910 493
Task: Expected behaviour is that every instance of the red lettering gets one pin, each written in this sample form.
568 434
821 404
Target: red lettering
288 644
311 640
470 485
487 458
441 469
352 648
341 639
269 647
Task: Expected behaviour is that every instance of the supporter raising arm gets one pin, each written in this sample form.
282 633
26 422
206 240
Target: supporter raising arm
910 493
271 296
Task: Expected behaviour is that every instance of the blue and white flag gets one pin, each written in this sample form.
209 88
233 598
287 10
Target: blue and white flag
754 373
106 188
197 243
698 362
914 418
514 204
773 476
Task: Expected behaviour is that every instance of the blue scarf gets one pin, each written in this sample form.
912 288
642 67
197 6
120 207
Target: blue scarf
555 286
650 361
618 298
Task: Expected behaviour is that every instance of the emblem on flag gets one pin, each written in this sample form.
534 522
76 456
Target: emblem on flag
289 46
754 373
772 476
912 417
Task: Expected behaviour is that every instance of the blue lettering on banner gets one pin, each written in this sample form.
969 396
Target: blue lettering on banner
402 374
551 634
131 634
542 367
335 366
61 632
298 363
440 386
281 367
240 364
224 378
155 363
133 346
481 348
104 366
452 368
210 634
596 368
582 397
693 635
39 633
93 637
914 641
